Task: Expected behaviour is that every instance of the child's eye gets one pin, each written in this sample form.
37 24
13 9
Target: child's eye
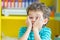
31 17
36 17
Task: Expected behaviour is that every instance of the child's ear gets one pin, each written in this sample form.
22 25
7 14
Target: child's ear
45 21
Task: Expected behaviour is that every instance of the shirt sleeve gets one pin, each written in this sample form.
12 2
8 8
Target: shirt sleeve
21 32
46 35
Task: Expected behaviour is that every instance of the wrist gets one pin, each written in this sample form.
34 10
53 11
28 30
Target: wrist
29 28
35 29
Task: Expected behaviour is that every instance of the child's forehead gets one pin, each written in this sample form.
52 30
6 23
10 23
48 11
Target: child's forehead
35 13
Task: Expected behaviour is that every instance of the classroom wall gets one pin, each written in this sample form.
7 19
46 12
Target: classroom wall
47 2
58 7
0 19
10 27
51 3
55 27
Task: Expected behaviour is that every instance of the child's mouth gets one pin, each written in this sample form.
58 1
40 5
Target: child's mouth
32 25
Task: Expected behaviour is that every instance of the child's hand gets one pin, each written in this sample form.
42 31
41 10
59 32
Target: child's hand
28 22
37 24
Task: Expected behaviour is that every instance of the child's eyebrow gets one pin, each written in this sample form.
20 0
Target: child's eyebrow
30 15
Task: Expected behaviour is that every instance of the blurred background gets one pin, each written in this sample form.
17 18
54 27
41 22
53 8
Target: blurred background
13 16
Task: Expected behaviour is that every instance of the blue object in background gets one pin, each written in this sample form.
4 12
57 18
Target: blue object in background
9 4
23 3
16 3
27 1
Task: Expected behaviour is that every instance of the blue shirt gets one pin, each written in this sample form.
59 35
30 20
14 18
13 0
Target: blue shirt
45 33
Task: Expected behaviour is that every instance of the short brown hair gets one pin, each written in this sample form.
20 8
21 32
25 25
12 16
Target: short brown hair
37 6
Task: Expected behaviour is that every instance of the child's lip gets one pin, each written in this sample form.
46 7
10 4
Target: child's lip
32 22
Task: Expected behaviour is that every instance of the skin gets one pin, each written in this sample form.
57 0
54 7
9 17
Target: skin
34 21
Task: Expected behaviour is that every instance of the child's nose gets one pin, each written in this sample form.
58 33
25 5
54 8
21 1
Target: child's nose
33 20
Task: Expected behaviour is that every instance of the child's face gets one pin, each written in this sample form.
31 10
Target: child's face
33 15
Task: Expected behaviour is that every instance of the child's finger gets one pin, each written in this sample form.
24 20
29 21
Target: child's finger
36 21
38 18
28 18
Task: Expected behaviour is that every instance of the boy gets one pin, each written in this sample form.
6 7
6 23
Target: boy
38 15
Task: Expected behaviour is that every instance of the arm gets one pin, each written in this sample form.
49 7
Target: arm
36 34
46 35
36 27
26 34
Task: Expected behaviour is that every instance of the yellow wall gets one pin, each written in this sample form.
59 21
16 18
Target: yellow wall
58 7
11 25
47 2
54 25
0 19
51 3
